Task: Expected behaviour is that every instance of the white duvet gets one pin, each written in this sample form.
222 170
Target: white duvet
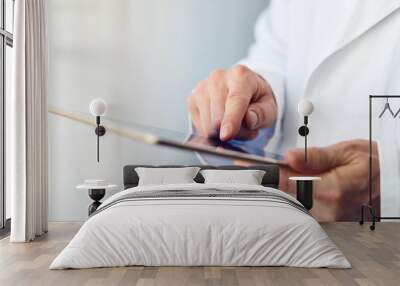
200 231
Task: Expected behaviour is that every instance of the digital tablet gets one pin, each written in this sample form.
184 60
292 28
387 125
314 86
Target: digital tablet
237 146
210 150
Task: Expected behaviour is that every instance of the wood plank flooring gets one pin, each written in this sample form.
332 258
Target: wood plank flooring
375 257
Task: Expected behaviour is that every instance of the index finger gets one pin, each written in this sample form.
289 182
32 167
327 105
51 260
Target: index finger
320 159
235 109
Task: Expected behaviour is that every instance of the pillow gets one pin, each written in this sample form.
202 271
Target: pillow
248 177
163 176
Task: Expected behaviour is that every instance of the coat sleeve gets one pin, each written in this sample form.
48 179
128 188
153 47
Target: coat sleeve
268 57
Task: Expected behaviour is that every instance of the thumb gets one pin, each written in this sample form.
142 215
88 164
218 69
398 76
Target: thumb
319 160
261 114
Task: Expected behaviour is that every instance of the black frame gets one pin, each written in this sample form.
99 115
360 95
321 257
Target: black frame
6 39
369 206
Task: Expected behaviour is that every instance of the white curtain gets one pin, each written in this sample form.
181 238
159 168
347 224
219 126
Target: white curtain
27 122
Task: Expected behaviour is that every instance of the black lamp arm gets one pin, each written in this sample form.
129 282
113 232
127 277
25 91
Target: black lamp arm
100 131
303 131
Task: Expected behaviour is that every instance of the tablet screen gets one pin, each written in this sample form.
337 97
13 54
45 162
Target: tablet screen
233 145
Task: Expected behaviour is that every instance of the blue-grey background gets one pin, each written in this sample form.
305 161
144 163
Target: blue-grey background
143 58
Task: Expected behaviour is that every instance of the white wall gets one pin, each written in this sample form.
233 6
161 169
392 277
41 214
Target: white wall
143 58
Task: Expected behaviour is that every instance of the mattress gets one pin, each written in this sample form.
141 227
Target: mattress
201 225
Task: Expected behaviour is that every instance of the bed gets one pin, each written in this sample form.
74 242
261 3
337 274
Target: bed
198 224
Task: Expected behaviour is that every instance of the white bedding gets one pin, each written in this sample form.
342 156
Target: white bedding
200 231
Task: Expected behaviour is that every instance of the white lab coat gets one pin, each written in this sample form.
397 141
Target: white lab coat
335 53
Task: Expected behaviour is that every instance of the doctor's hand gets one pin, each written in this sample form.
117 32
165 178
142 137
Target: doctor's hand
233 103
344 187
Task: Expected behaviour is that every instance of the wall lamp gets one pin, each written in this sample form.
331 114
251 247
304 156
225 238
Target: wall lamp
305 108
98 108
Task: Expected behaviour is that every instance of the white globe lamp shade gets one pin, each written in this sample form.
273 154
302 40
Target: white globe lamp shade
98 107
305 107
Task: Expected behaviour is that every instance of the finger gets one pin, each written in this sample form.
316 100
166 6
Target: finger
217 92
236 106
285 184
319 160
324 206
326 190
261 113
194 114
322 209
343 168
203 104
242 85
243 163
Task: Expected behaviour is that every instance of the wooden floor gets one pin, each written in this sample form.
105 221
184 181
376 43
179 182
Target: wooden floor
375 257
